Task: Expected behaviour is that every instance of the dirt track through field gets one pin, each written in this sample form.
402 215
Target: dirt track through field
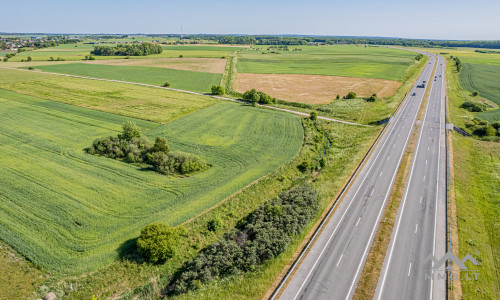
313 89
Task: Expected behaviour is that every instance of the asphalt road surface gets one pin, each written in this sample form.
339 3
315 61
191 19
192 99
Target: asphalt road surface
419 231
332 267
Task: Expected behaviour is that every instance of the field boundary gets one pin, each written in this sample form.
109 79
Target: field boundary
190 92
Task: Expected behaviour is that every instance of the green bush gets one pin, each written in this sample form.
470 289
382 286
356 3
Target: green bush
304 166
218 90
372 98
214 224
157 242
350 95
166 84
313 116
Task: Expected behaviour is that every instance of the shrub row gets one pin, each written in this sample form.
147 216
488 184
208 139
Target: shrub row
264 234
133 147
474 106
483 128
260 97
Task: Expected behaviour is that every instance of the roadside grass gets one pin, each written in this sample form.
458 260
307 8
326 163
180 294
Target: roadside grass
337 60
179 79
157 105
477 190
484 79
58 202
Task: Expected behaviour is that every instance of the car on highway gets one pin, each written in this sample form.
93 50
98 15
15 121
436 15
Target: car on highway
413 94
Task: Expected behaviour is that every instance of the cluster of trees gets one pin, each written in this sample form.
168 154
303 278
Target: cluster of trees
474 106
133 147
260 97
264 234
482 128
128 50
419 57
458 63
89 57
372 98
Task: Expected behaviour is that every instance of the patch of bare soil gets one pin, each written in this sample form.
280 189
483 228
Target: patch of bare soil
313 89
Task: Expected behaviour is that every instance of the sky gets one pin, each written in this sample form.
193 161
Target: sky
424 19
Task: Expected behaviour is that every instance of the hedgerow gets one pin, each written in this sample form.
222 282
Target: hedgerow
262 235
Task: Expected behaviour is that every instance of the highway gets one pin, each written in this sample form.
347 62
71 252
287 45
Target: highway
332 266
419 231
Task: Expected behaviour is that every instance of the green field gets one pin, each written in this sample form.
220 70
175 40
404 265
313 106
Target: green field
485 79
179 79
339 60
196 51
70 212
157 105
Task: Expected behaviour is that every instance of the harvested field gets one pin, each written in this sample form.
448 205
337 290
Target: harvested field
206 65
313 89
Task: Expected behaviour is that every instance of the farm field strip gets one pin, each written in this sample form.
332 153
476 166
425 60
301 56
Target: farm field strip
57 194
340 60
140 115
204 65
179 79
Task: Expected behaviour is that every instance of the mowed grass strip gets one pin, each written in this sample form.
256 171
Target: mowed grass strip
179 79
484 79
70 212
157 105
338 60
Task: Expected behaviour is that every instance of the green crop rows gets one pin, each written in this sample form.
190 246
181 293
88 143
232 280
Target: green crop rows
179 79
484 79
349 61
70 212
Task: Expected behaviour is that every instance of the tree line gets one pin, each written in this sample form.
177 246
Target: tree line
304 40
128 50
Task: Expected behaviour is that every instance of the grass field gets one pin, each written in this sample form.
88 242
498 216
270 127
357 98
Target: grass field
477 190
339 60
485 79
179 79
61 202
157 105
197 51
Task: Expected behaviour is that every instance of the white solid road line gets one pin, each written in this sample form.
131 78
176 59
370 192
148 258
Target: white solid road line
384 271
380 174
358 222
416 228
405 104
424 178
409 270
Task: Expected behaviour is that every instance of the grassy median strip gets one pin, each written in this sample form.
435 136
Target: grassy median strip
368 281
